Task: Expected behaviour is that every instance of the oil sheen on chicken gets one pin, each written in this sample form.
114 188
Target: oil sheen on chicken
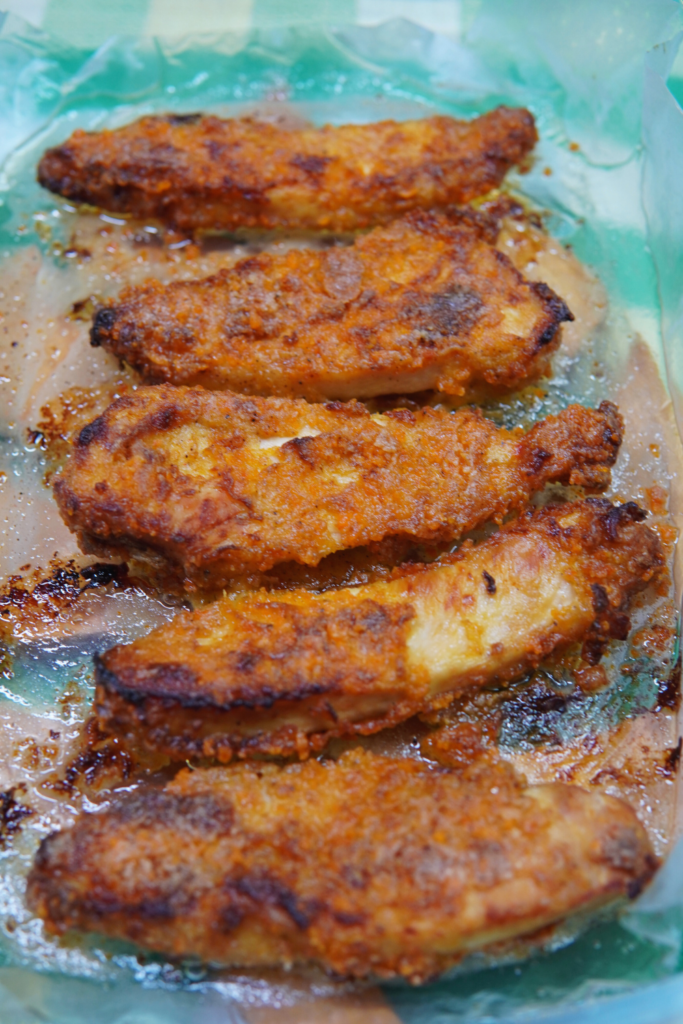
282 673
195 171
370 865
212 485
427 302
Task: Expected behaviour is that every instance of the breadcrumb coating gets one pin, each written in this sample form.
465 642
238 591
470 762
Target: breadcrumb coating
215 485
370 865
199 171
427 302
283 672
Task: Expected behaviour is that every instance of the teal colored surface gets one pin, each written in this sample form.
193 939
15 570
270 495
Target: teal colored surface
663 204
73 20
306 12
594 74
601 959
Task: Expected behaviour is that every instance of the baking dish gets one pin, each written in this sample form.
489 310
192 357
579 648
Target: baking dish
588 74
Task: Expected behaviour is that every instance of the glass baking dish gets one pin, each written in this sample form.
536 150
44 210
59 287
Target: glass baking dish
606 175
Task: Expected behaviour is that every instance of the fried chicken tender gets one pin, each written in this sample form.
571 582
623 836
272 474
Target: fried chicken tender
370 865
282 673
214 485
204 172
427 302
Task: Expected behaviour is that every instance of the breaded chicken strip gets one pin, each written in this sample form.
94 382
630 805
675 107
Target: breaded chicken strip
427 302
204 172
281 673
370 865
216 485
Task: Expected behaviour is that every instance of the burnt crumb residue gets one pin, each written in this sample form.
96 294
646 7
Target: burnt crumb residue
489 582
37 439
672 759
84 309
101 762
609 624
534 714
72 252
103 323
101 574
12 813
670 690
38 597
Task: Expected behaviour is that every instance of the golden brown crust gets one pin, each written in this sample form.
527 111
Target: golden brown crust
204 172
370 865
427 302
282 673
209 484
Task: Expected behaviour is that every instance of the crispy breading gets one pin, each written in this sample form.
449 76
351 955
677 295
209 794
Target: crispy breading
217 485
204 172
427 302
370 865
282 673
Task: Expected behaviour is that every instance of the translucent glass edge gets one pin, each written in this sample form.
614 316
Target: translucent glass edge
663 205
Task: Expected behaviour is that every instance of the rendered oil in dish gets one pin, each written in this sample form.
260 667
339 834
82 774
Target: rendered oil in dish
620 737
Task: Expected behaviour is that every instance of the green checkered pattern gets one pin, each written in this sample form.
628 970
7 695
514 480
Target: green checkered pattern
88 23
